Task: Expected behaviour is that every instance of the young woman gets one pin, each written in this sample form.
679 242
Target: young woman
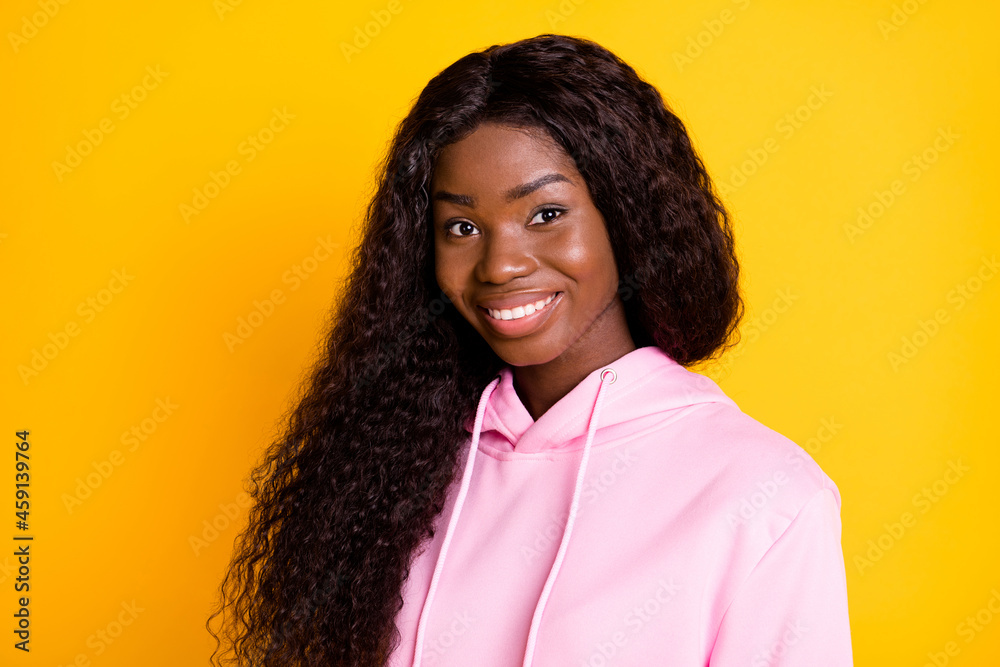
503 458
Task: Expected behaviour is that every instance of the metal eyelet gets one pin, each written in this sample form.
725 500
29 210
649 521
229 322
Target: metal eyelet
614 376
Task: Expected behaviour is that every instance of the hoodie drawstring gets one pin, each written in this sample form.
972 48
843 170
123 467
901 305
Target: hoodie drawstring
466 478
536 620
460 501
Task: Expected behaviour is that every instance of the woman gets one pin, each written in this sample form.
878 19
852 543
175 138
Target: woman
543 257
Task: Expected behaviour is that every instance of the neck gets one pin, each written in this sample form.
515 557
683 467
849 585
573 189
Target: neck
541 386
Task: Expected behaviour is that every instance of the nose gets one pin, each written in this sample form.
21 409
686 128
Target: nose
506 255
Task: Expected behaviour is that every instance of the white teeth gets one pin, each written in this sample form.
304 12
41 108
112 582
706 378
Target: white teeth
520 311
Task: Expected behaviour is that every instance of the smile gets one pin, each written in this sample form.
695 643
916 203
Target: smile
520 320
520 311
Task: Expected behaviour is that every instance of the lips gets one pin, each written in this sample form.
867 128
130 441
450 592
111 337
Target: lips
516 312
518 315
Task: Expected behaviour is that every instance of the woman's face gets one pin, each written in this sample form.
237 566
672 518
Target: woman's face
521 250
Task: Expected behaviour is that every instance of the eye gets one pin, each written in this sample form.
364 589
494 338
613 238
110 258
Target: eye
462 225
547 212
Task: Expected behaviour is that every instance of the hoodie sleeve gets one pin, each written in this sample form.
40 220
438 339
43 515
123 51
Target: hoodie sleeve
792 609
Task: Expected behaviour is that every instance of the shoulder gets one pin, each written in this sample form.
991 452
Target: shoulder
763 479
745 442
743 467
736 485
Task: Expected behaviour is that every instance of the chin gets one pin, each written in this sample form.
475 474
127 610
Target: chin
522 352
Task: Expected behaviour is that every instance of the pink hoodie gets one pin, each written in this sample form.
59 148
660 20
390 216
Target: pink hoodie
642 520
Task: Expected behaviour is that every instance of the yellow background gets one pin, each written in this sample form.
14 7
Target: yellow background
828 306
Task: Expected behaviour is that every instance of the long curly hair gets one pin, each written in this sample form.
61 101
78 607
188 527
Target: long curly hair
349 491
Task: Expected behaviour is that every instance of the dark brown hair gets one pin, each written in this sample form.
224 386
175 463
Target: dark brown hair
350 489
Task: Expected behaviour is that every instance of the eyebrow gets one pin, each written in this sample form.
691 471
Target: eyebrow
516 192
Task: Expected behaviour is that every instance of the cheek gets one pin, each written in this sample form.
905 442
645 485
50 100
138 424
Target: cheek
602 279
610 269
590 262
601 260
448 273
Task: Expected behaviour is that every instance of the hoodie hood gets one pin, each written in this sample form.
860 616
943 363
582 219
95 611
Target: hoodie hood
648 382
643 383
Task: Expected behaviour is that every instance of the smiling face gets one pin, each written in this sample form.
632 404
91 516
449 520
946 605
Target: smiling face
522 252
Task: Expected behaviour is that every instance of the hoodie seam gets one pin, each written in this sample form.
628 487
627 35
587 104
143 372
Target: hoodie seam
736 593
500 423
622 394
561 454
613 400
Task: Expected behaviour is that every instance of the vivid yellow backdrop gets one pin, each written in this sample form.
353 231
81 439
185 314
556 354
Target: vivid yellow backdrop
805 111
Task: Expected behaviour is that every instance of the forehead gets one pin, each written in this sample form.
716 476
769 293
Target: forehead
497 156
